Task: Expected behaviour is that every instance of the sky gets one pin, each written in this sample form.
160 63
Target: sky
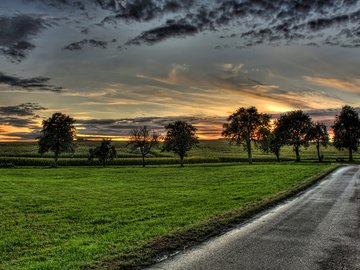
115 65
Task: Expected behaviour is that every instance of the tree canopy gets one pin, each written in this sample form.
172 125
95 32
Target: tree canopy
269 141
180 138
104 153
57 135
143 139
347 130
244 126
293 129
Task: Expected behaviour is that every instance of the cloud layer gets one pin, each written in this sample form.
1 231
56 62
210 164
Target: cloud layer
207 126
247 22
35 83
16 33
260 22
20 122
128 60
26 109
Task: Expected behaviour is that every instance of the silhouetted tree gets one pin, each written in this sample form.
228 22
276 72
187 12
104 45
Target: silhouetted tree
143 139
243 127
347 130
319 134
180 138
57 135
104 153
270 142
293 129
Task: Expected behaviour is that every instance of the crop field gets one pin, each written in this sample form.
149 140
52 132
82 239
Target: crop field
79 217
25 153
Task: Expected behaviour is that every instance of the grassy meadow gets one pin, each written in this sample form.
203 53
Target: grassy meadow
96 218
25 153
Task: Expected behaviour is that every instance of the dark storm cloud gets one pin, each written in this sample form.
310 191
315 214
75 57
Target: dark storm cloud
16 33
63 3
306 20
138 10
22 115
266 21
35 83
17 122
164 32
18 51
297 20
254 22
142 10
86 42
26 109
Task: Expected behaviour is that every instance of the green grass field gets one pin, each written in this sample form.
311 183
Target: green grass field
68 218
24 153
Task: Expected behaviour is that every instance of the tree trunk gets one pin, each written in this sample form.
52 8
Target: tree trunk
181 161
278 157
318 151
143 160
350 155
297 152
56 157
248 146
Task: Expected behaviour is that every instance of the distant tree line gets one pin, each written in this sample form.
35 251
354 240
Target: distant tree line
58 135
246 127
294 128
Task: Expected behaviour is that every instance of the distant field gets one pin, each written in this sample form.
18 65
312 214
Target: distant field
206 152
72 217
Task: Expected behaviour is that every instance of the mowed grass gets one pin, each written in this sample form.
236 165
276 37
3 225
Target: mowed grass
67 218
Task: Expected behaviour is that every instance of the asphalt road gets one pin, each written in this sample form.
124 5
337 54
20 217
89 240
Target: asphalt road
319 229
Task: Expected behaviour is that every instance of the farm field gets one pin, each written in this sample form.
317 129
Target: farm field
26 153
74 217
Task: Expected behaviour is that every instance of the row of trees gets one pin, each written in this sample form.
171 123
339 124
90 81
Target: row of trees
246 127
58 134
180 138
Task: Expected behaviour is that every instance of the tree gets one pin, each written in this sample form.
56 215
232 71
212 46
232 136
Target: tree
180 138
104 153
293 129
269 141
243 127
319 134
144 140
347 130
58 135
